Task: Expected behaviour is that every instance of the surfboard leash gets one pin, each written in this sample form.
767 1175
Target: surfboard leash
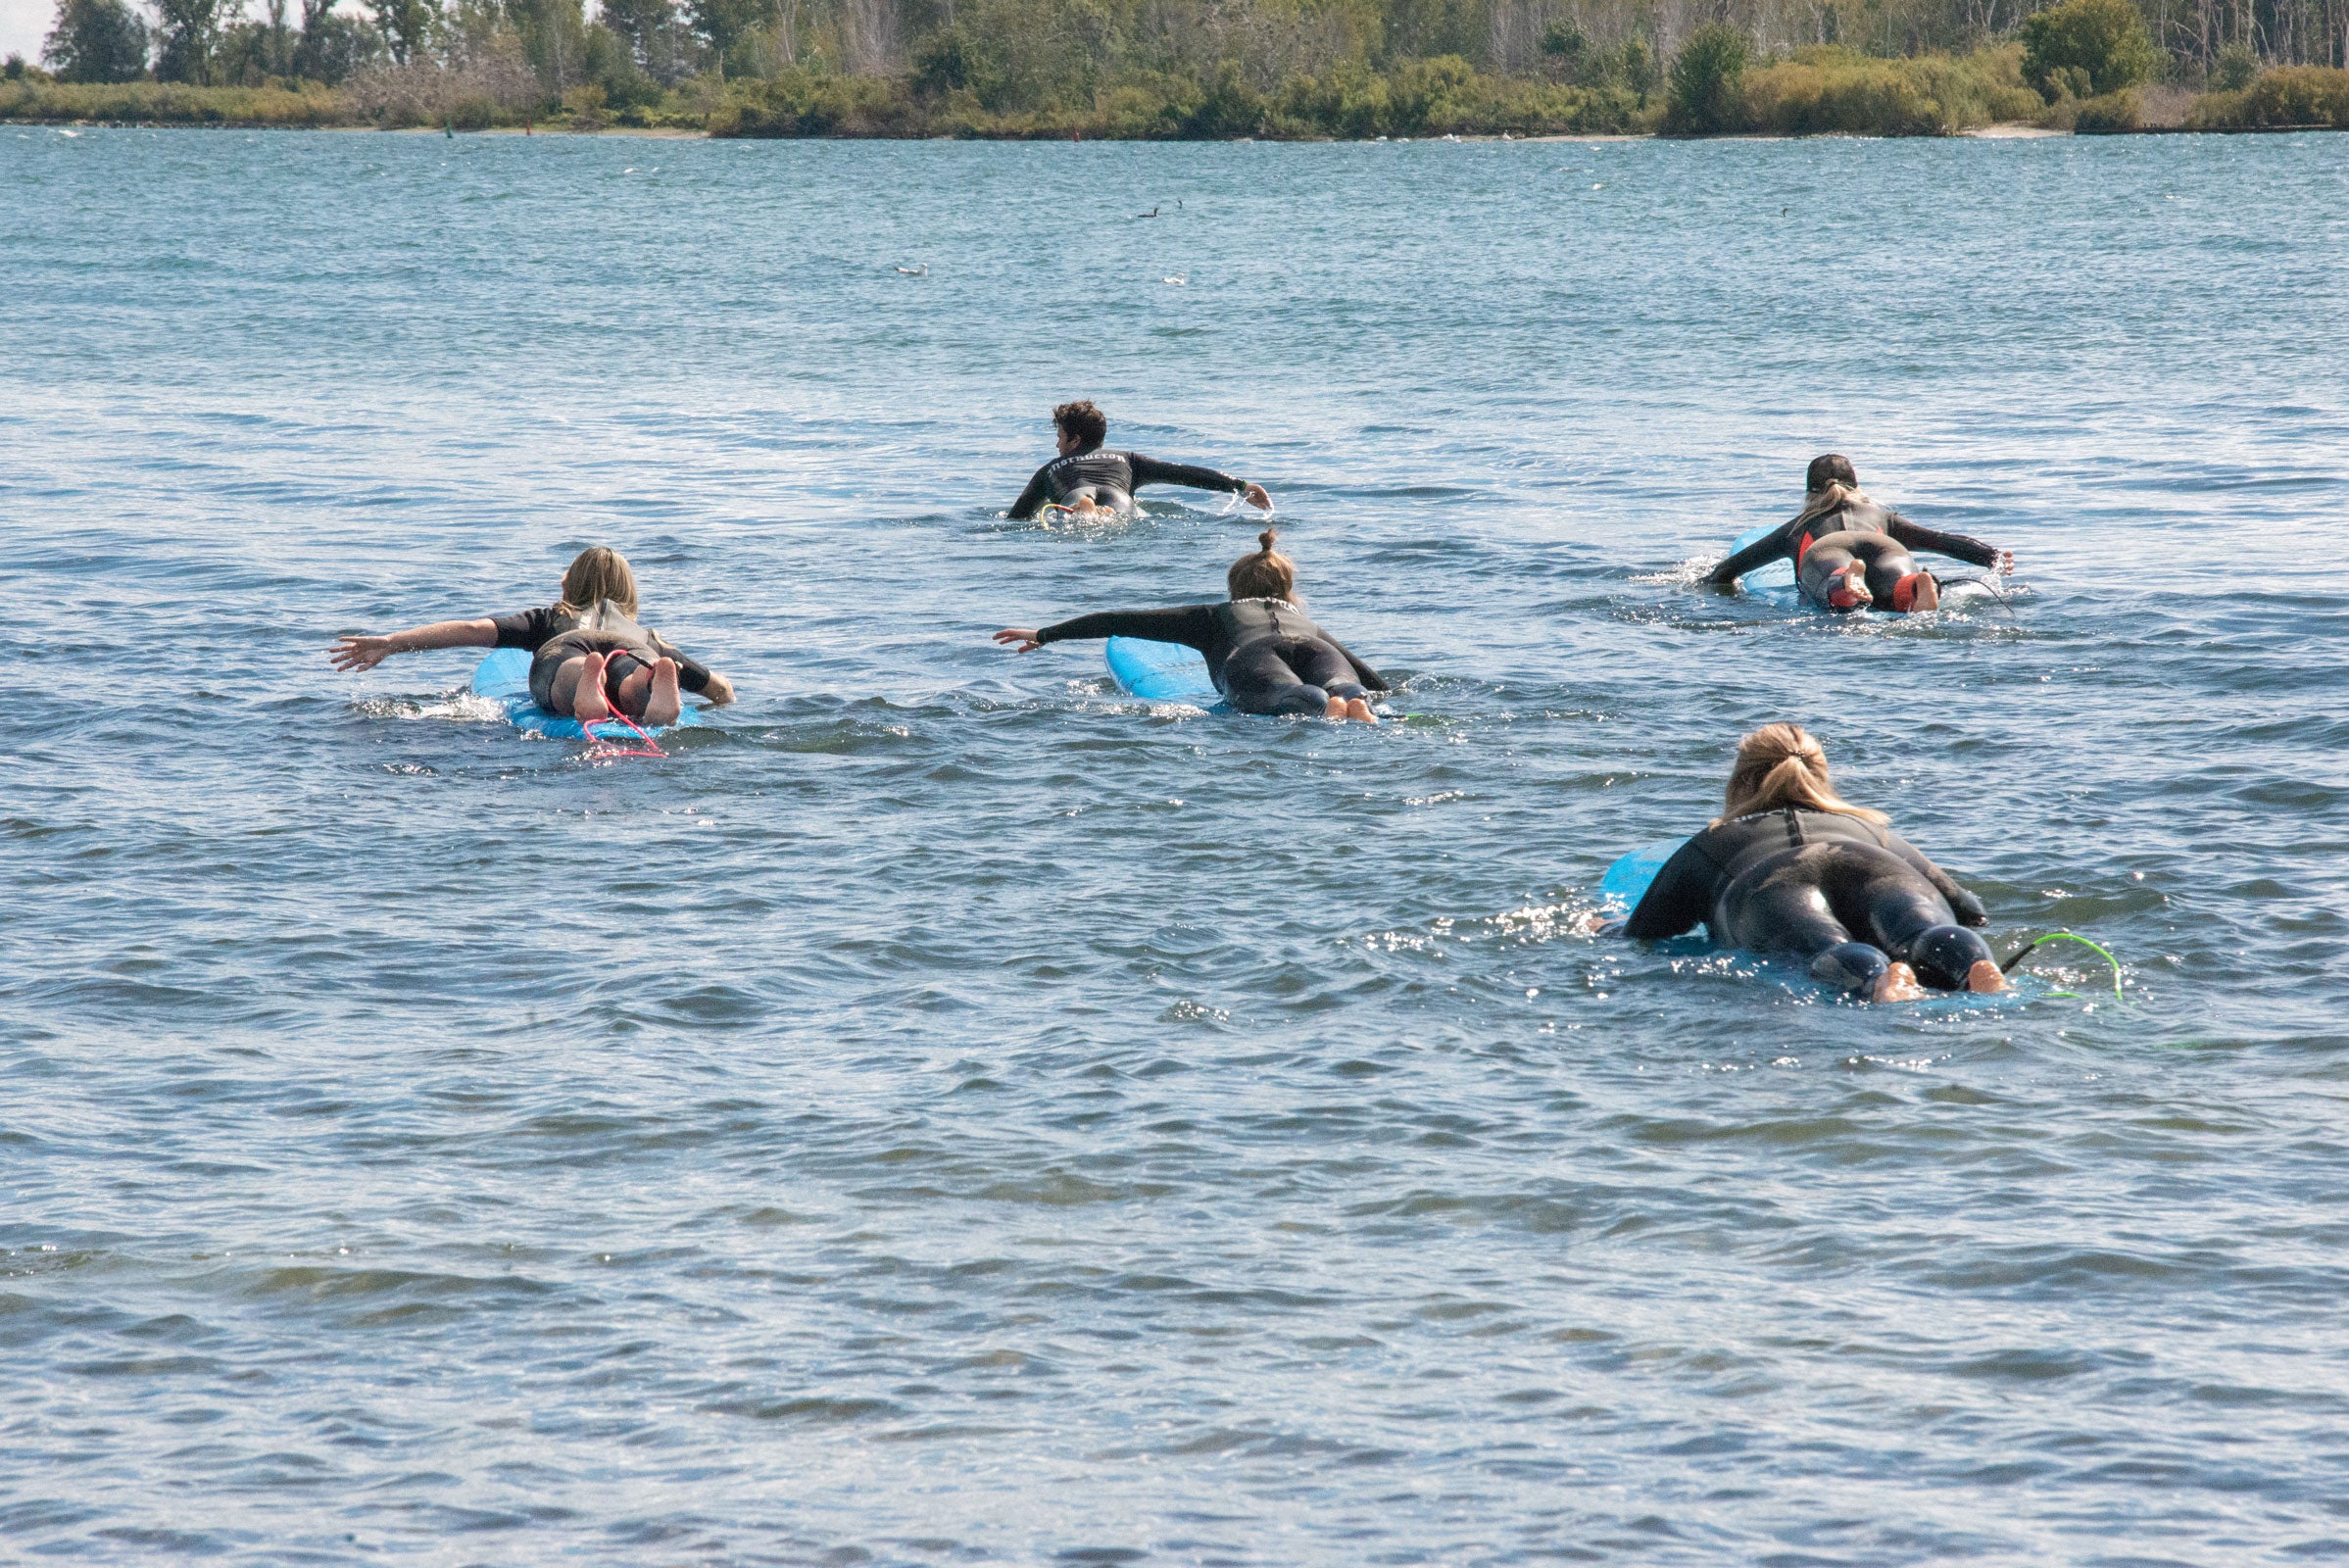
605 748
2101 950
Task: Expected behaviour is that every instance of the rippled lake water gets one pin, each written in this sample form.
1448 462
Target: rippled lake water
952 1113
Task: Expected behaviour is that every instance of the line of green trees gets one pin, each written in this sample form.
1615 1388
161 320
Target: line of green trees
1205 68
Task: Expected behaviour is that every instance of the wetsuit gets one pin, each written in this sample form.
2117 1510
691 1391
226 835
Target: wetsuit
1110 478
1844 895
1262 654
552 636
1859 529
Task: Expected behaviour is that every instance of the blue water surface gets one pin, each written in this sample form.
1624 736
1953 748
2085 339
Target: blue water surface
950 1111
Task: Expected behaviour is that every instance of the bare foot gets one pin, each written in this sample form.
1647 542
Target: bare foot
1359 707
588 705
1899 984
665 705
1337 708
1984 977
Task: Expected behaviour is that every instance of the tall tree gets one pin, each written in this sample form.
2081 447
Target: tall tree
408 26
96 40
190 31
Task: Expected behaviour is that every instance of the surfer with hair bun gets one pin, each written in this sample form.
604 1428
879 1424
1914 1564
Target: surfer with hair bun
1792 867
1084 479
1851 553
1262 653
588 655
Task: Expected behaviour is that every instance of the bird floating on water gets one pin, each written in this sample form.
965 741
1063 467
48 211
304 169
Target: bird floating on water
922 270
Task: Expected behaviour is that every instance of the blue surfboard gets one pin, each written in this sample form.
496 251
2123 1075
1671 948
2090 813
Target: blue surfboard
1774 581
1628 880
1161 673
503 678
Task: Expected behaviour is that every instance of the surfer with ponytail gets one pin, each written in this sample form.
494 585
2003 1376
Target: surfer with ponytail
1850 552
589 656
1792 867
1262 652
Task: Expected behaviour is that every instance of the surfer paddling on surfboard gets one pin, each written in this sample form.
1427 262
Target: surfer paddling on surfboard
589 658
1262 653
1792 867
1850 552
1084 479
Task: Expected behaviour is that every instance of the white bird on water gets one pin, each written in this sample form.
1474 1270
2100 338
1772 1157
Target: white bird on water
922 270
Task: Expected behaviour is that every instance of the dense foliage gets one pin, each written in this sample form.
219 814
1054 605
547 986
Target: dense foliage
1196 68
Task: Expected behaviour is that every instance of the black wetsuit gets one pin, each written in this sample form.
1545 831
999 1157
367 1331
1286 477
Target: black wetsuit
1110 478
552 636
1844 895
1862 530
1262 654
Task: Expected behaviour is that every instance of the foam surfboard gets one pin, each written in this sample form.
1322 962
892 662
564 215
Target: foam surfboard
503 678
1628 880
1161 673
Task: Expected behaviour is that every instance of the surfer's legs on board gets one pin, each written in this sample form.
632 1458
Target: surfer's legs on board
662 703
1296 676
588 703
1861 916
1865 570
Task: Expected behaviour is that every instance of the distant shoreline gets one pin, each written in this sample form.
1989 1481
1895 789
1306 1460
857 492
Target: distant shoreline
2005 131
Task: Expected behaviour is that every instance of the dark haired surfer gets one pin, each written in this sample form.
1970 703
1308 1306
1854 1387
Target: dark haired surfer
588 655
1262 653
1790 866
1850 552
1084 479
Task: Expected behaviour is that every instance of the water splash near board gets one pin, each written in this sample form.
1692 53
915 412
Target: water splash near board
503 678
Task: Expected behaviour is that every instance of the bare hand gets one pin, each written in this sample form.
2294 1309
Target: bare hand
2006 562
1256 496
719 691
354 654
1024 636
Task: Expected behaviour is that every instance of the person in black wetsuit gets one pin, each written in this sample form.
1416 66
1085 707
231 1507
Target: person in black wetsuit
1850 552
589 655
1792 867
1086 479
1262 653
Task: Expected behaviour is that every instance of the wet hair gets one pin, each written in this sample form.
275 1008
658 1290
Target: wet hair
1831 484
1782 765
1831 468
1263 574
1088 424
598 572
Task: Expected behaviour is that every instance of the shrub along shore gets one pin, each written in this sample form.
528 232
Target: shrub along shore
2081 65
1813 93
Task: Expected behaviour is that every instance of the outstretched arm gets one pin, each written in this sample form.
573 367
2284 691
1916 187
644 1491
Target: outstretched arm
1192 624
1149 470
354 654
1763 551
1031 498
1680 899
694 676
1971 551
